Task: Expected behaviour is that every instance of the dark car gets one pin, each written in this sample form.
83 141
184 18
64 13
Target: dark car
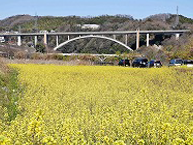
158 63
154 63
151 63
140 62
189 63
176 62
124 62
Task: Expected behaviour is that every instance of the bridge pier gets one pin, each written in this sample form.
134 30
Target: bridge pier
57 40
138 40
114 36
68 37
19 40
126 39
45 39
147 40
177 36
35 40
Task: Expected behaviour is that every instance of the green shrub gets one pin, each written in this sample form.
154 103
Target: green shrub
9 93
40 48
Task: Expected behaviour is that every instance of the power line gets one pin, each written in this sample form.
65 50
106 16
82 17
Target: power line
177 17
36 23
19 28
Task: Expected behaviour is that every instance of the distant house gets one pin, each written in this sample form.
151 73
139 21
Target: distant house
89 26
52 31
43 31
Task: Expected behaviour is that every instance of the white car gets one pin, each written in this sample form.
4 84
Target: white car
2 39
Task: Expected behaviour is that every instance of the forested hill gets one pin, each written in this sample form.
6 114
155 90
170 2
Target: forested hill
106 23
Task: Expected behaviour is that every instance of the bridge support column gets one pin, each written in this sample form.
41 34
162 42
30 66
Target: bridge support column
57 40
177 36
147 40
35 40
45 39
137 40
126 39
114 36
68 37
19 40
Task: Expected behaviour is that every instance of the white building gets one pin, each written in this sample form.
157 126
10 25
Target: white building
43 31
89 26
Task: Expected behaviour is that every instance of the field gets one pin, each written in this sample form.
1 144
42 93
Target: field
101 105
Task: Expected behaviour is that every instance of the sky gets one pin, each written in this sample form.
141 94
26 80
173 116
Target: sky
139 9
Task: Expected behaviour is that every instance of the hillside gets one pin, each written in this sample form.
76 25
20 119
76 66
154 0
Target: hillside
11 22
106 23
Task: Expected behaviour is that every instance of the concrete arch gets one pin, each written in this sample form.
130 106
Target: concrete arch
92 36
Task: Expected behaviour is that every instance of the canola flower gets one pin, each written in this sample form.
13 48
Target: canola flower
102 105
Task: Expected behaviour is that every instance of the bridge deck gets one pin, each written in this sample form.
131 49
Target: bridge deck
99 33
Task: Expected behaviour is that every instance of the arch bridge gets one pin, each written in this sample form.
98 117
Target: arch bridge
92 36
101 35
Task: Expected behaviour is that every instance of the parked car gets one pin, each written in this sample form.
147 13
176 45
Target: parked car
176 62
2 39
154 63
140 62
189 63
158 64
124 62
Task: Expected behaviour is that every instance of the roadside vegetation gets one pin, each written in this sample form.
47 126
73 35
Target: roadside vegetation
9 93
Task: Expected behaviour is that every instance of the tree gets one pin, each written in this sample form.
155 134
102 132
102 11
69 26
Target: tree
40 48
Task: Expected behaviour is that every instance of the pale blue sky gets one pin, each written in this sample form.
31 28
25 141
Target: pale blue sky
137 8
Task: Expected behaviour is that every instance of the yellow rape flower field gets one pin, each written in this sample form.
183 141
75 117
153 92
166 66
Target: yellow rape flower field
102 105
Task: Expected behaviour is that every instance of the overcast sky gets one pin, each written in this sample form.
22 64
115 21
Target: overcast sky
139 9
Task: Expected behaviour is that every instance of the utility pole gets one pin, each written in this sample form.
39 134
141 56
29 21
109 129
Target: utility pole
19 28
177 18
36 23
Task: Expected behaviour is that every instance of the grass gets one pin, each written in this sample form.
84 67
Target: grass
9 92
